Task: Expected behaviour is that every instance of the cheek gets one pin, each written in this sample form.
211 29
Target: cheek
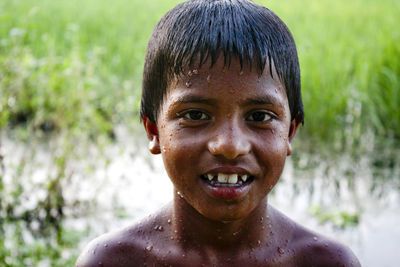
179 150
174 138
273 153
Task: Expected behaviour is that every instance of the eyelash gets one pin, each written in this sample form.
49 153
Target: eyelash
186 115
265 113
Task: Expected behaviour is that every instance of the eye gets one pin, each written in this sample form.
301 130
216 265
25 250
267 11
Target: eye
259 116
195 115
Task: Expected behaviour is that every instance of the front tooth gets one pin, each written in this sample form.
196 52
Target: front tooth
210 176
223 178
244 177
233 179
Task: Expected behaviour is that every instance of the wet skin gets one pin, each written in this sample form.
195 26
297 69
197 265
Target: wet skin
217 122
224 121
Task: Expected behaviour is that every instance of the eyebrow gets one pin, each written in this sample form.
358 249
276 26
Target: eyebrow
196 99
251 101
257 101
261 100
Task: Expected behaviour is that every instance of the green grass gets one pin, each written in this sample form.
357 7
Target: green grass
58 249
76 65
350 56
73 66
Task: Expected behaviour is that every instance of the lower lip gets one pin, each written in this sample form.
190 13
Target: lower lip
227 193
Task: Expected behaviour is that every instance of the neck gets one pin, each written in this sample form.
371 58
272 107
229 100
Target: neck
191 227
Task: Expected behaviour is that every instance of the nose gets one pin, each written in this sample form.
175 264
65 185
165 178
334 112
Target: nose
230 141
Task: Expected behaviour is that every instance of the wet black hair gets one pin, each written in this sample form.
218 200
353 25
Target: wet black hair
198 31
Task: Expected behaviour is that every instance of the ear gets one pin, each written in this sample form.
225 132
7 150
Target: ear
294 124
152 135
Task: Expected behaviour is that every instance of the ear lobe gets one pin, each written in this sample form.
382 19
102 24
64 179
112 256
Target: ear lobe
154 145
152 135
294 124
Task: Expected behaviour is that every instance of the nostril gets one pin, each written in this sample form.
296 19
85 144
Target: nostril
229 147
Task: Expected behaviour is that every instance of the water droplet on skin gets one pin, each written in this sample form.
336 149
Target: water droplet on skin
172 238
149 248
315 238
209 78
241 73
105 245
190 73
195 72
280 250
160 228
259 242
188 84
169 221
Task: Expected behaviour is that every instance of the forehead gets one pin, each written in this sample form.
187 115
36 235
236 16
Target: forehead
221 78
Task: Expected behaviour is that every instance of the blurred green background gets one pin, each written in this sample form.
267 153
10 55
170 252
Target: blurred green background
76 65
70 71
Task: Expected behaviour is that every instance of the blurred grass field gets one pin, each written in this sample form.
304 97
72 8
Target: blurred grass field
350 61
76 65
73 68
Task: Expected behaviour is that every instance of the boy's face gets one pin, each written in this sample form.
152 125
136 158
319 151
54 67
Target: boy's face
224 135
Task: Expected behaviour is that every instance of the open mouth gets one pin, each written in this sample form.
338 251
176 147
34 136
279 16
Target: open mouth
227 180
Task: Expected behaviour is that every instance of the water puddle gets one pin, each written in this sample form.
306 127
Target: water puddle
342 197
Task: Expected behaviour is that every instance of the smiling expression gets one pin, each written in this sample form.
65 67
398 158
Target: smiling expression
224 134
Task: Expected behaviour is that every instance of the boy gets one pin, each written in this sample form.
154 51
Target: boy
221 102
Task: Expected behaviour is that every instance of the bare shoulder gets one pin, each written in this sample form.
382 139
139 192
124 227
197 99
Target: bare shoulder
321 251
313 249
118 248
318 250
125 247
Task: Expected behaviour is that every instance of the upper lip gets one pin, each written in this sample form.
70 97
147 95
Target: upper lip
229 170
